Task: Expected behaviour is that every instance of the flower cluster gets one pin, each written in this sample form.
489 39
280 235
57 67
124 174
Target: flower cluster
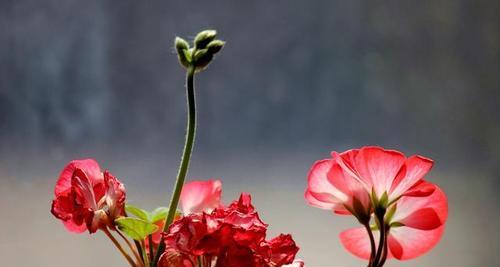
232 236
383 185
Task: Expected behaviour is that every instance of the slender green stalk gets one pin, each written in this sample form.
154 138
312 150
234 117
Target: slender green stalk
120 248
134 251
382 242
372 243
188 148
144 255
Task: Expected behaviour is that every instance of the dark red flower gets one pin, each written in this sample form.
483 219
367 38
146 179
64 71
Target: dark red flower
86 198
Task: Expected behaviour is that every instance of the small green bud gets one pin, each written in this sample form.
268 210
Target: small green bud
202 58
204 38
215 46
182 48
390 213
181 44
384 200
396 224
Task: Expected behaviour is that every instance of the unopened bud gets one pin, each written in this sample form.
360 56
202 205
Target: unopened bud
215 46
204 38
182 48
202 58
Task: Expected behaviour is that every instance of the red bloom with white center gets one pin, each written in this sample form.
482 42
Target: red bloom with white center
86 198
352 175
415 228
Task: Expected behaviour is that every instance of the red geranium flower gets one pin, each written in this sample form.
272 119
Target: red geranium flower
232 236
86 198
196 197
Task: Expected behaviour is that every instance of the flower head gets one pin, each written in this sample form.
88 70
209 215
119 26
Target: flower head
348 182
415 226
87 199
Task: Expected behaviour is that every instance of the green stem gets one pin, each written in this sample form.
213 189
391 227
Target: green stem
188 148
372 243
119 247
144 254
134 251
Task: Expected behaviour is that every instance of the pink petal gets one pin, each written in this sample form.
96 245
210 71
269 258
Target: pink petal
313 201
414 169
200 196
379 167
407 243
357 242
423 213
320 191
89 166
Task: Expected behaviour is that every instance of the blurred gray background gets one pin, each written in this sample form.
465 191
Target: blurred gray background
296 80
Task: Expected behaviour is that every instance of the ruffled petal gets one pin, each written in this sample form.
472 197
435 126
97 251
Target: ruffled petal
89 166
200 196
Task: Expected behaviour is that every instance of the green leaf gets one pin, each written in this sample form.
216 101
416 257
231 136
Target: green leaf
158 214
136 229
138 212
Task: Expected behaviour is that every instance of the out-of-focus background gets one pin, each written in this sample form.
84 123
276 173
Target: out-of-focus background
295 81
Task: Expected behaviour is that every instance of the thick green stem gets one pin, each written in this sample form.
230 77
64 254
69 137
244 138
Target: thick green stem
372 243
188 148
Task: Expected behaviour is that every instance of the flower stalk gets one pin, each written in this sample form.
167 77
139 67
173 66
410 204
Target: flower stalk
120 248
194 60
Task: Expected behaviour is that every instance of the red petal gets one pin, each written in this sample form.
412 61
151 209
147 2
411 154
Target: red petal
89 166
200 196
414 169
424 213
421 189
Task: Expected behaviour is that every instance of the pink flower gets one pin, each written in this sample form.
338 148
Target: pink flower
415 227
349 177
86 198
200 196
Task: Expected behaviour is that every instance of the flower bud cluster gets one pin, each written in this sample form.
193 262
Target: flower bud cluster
203 51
